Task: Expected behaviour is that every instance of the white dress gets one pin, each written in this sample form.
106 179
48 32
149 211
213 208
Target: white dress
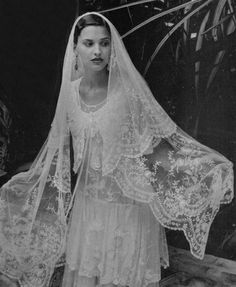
111 237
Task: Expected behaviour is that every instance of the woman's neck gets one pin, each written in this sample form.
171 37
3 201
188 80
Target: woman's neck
95 79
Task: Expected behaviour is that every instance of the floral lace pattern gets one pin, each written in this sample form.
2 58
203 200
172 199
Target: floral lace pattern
104 239
32 223
185 185
186 196
129 135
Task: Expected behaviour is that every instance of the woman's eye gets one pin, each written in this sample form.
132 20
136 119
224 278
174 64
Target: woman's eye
105 43
88 43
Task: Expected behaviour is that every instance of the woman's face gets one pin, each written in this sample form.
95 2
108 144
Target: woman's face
94 48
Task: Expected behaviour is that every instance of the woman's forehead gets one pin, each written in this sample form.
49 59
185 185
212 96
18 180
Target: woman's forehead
94 32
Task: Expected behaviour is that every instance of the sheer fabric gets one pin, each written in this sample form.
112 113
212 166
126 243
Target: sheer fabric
111 237
136 172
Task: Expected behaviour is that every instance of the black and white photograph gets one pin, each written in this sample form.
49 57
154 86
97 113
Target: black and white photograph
117 143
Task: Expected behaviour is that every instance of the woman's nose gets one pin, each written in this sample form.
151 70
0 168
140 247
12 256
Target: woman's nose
97 50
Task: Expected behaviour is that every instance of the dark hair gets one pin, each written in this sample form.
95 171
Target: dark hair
89 20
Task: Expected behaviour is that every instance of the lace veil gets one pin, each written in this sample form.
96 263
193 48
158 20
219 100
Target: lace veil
152 160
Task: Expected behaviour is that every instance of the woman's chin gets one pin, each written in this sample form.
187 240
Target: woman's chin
97 67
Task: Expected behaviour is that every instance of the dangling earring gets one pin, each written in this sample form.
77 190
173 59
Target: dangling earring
76 63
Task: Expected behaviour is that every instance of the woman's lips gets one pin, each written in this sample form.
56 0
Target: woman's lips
97 60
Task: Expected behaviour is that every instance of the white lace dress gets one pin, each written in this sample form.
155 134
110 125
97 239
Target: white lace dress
111 237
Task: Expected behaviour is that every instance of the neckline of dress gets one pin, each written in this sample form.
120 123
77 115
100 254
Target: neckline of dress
89 108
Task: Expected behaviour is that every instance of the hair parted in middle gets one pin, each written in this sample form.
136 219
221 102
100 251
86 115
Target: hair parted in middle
89 20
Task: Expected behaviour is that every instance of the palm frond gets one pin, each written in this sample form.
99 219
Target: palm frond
126 6
217 16
177 51
218 60
186 23
198 48
219 57
130 15
231 27
232 10
162 42
159 16
219 23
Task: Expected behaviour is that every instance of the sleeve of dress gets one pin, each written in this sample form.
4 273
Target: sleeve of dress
190 182
184 183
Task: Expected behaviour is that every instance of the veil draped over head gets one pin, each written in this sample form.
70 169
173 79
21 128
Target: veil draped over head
151 159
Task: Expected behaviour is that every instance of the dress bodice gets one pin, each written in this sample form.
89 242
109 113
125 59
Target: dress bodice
88 144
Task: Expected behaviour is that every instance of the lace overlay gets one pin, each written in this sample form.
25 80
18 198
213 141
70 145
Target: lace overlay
127 136
107 227
118 243
32 228
182 181
136 172
183 196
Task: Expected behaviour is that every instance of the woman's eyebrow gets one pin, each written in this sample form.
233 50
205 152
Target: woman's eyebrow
88 39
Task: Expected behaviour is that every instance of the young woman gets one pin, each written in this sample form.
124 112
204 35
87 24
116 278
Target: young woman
136 172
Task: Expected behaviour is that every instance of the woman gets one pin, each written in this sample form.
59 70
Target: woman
135 173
